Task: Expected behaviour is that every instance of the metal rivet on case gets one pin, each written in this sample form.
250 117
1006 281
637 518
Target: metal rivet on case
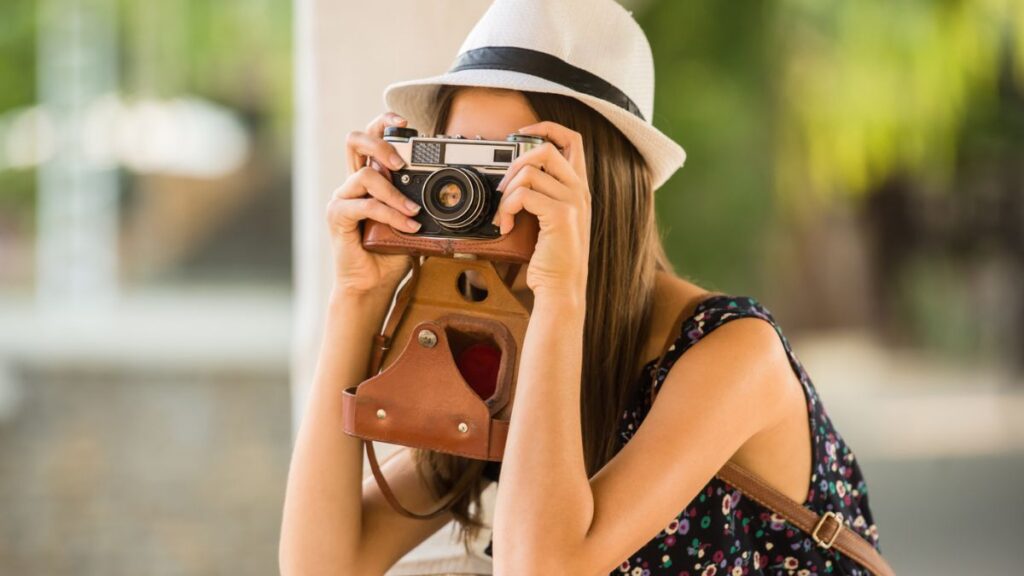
463 427
381 413
427 338
405 179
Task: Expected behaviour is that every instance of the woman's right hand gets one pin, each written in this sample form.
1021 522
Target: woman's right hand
369 193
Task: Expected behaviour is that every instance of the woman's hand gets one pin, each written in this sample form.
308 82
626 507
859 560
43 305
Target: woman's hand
550 181
368 193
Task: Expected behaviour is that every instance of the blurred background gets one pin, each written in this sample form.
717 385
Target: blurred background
858 167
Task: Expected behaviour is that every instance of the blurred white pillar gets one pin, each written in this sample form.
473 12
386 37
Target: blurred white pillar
345 54
77 217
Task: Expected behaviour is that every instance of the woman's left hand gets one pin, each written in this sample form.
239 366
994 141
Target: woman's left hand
550 181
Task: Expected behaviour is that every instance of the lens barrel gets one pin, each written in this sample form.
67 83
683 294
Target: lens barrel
456 197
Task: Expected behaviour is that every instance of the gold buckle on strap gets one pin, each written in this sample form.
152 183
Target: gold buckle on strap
826 544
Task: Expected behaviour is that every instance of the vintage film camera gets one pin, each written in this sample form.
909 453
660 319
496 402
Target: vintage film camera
418 392
454 179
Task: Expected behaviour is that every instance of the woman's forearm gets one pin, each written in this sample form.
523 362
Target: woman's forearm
321 524
544 504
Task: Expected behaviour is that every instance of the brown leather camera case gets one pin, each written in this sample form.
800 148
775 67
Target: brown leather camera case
516 246
420 398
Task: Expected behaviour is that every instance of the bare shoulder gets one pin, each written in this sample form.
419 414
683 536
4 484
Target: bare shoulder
746 357
740 373
715 398
671 295
741 345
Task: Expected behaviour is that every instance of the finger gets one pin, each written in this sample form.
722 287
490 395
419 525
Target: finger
369 181
530 176
377 125
545 156
379 168
569 141
363 145
520 199
346 213
374 128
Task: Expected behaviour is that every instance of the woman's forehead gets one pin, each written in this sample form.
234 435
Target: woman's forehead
488 112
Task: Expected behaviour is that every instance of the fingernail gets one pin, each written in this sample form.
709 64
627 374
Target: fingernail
396 161
413 225
395 118
412 206
505 228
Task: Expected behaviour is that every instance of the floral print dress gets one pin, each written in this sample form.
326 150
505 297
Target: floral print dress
723 533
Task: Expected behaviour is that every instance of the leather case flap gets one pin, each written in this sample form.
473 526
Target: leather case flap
425 401
516 246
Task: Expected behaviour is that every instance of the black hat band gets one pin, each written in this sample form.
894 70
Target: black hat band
546 66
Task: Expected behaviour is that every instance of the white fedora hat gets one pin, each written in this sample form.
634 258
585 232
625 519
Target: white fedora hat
591 50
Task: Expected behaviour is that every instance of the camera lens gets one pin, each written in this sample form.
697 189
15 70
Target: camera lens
450 195
455 197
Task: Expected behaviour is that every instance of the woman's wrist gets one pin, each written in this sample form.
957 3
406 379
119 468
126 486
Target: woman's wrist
572 295
562 303
352 319
351 297
359 308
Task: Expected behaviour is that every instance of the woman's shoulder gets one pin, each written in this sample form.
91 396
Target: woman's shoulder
678 301
680 305
685 313
673 296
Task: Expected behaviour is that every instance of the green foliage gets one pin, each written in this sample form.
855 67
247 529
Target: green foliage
17 53
238 53
713 95
785 106
17 89
875 86
934 301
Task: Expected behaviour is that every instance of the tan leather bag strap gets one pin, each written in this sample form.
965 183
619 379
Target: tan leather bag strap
510 275
827 530
381 344
460 487
382 341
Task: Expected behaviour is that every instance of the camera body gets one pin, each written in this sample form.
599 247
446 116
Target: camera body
453 179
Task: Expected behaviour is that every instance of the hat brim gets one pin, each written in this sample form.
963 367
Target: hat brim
414 100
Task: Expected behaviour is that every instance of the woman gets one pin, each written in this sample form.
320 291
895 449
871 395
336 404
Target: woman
596 477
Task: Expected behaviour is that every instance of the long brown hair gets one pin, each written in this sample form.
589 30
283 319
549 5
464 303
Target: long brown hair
625 253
